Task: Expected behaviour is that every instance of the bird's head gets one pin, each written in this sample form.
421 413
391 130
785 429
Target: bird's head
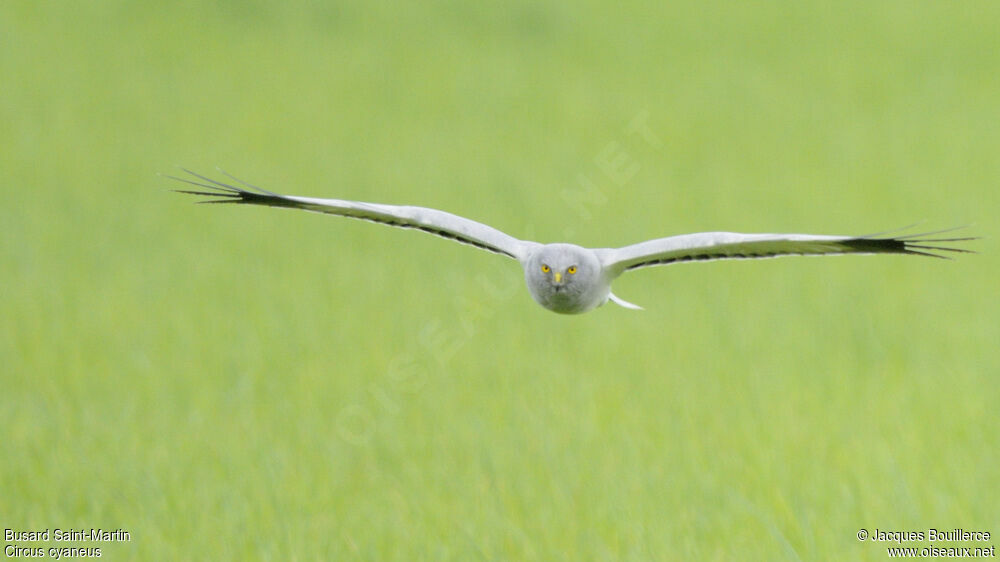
564 278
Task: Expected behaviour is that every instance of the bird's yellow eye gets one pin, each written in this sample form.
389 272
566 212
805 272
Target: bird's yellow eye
571 270
545 268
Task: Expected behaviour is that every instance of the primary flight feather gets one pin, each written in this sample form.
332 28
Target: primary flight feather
571 279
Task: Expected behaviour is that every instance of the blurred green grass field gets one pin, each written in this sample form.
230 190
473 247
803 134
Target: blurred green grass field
241 383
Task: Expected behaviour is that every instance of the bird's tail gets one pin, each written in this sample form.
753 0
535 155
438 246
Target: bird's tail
623 302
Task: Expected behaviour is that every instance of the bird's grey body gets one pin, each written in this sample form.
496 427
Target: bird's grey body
571 279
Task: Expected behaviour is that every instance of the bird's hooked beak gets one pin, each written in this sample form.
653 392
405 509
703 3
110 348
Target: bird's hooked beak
557 276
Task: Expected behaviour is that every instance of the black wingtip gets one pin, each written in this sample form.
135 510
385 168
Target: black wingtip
231 198
214 188
222 192
205 193
915 244
247 185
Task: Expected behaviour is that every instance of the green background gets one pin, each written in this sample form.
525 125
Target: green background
250 383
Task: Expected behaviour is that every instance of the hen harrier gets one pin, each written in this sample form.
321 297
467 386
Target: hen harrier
570 279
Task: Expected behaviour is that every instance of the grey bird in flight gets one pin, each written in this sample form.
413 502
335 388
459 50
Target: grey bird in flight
571 279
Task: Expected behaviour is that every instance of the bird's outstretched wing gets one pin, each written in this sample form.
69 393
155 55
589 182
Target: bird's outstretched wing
707 246
440 223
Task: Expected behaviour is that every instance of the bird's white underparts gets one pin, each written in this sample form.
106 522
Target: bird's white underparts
571 279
